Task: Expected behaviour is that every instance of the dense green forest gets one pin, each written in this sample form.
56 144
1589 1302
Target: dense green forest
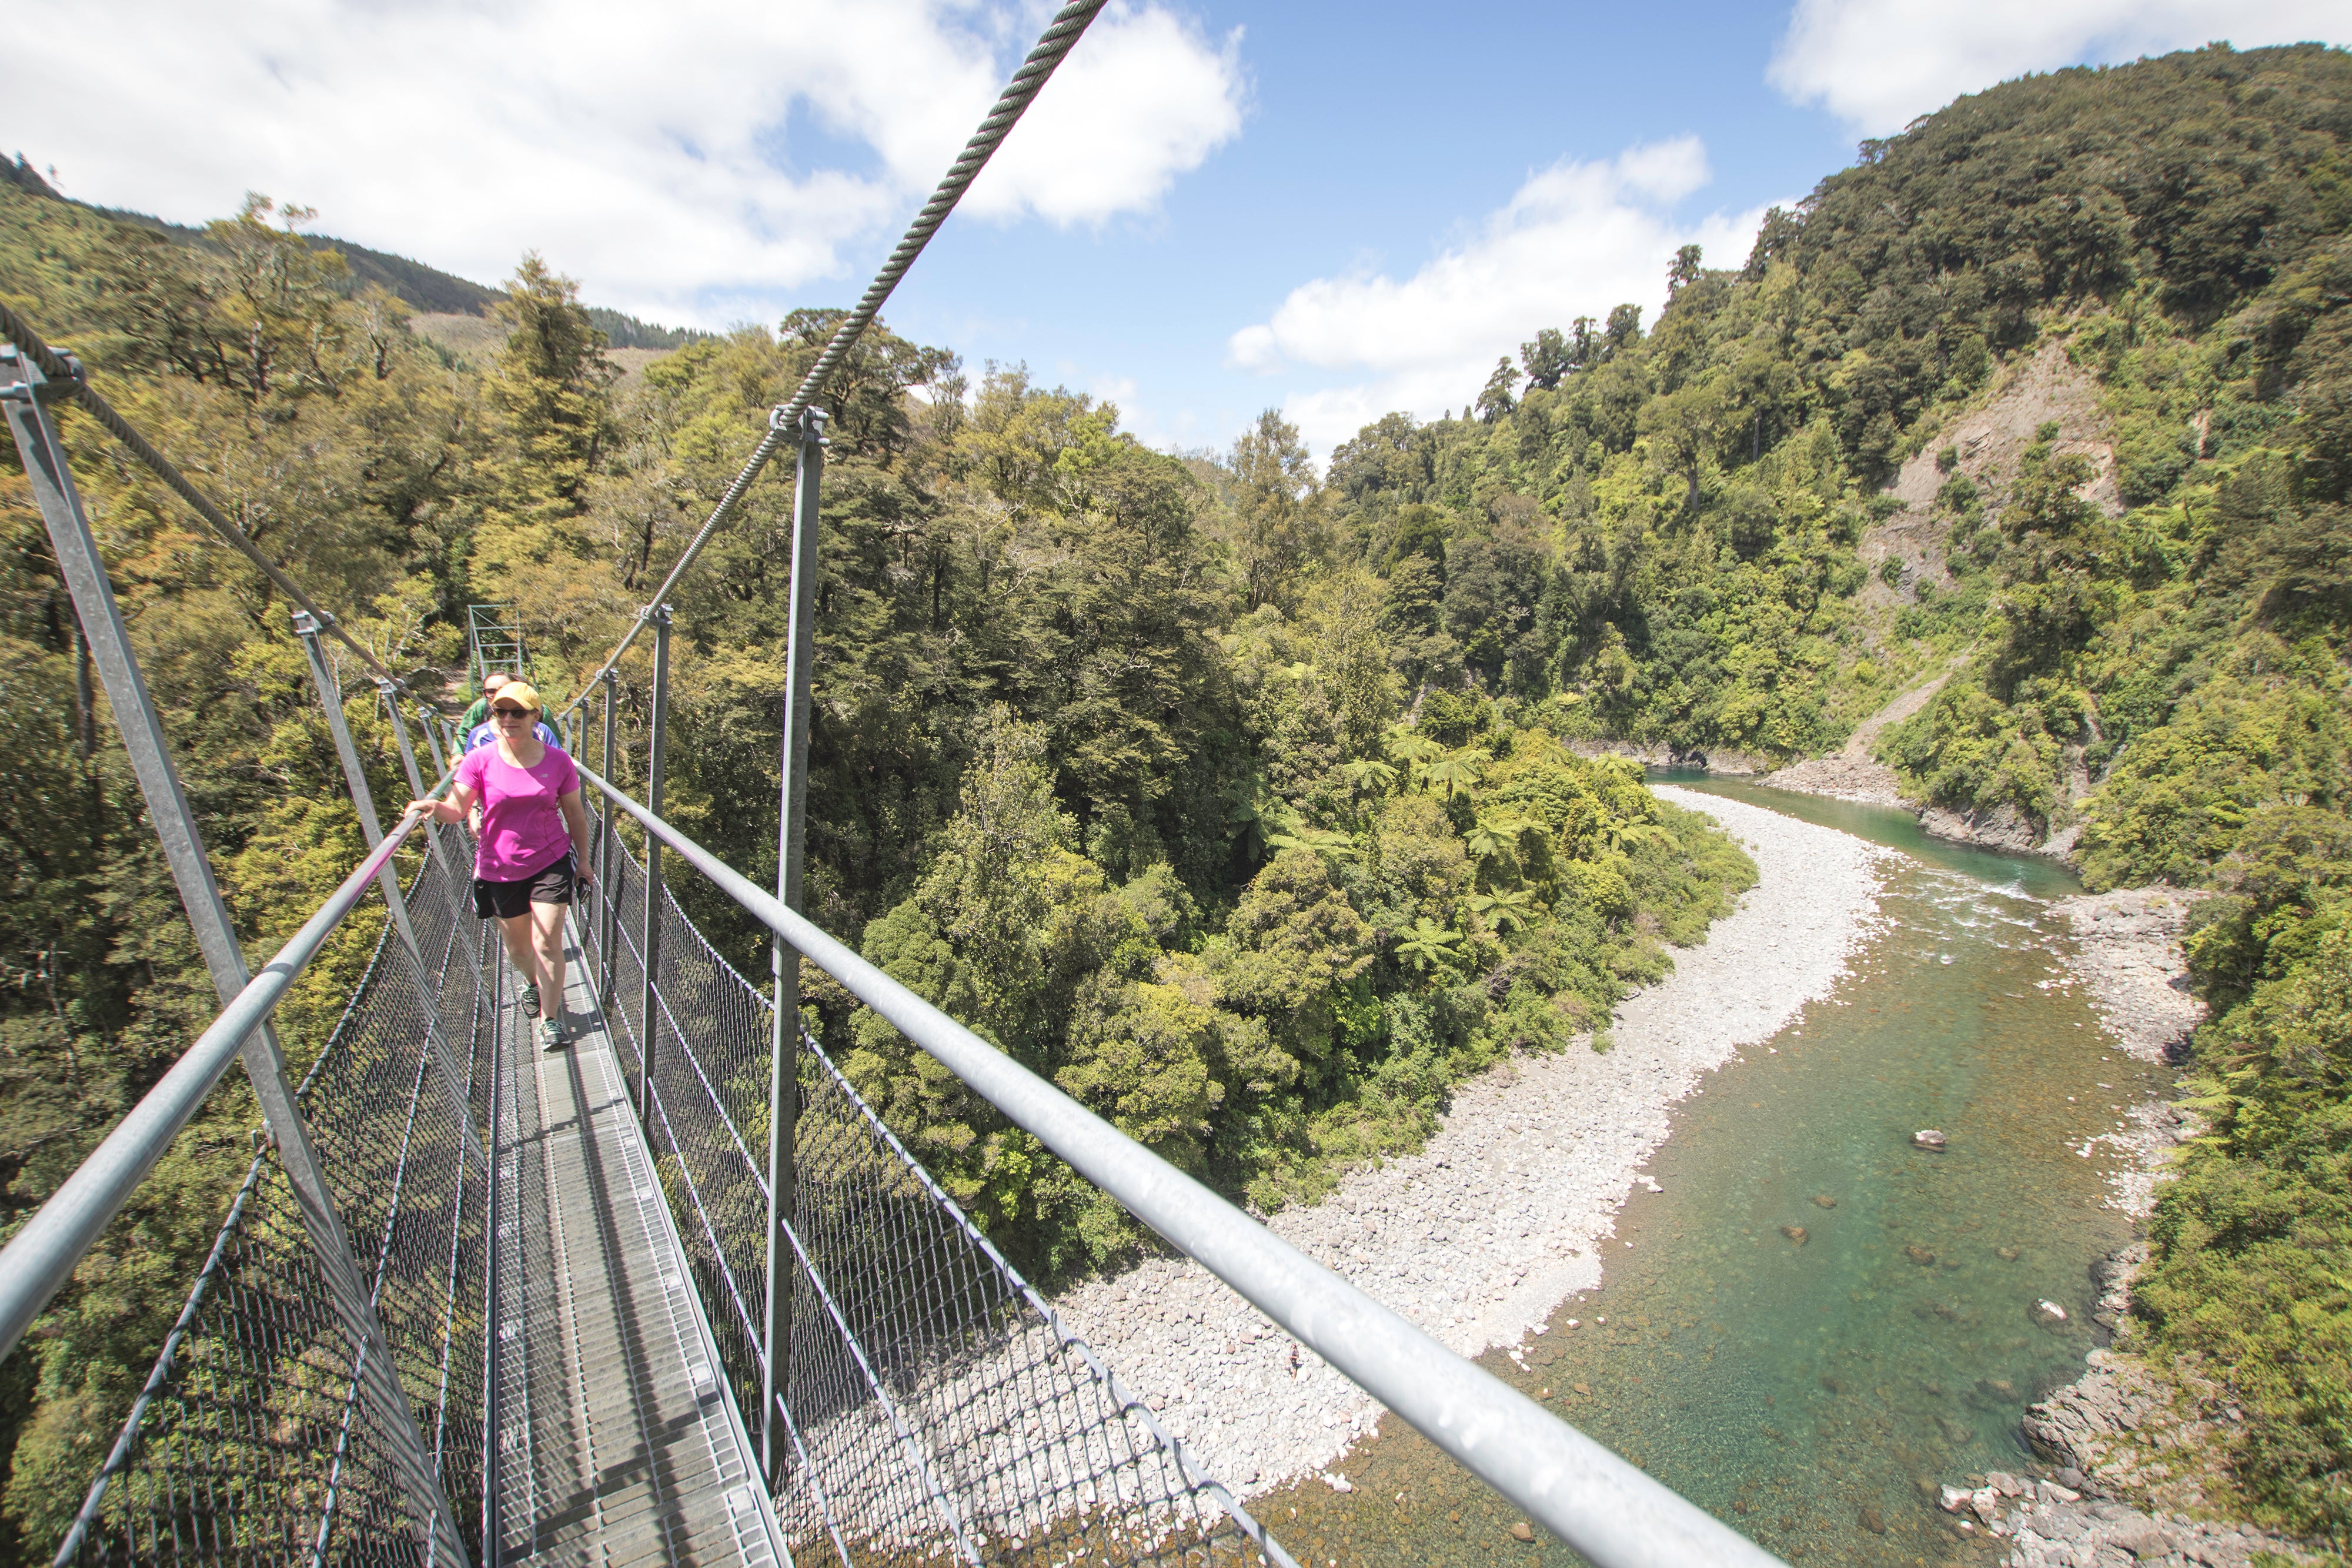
2145 608
1111 757
1258 806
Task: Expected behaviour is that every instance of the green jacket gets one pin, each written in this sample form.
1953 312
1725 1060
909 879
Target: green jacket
476 714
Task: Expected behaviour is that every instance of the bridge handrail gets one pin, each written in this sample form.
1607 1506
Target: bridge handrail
40 1258
1600 1504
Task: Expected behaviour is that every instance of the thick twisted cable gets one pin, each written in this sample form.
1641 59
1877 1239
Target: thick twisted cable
1052 44
63 372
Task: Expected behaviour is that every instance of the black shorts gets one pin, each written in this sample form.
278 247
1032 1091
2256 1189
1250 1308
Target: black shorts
504 900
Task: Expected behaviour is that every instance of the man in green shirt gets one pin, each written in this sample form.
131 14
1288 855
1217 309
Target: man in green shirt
480 711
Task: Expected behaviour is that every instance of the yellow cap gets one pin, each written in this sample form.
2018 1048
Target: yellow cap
521 691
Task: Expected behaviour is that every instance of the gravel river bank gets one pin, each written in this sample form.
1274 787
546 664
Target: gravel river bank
1514 1204
1820 1322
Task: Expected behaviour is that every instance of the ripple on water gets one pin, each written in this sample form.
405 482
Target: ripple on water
1810 1370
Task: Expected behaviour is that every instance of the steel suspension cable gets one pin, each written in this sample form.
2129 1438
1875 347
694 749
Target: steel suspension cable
1054 44
66 374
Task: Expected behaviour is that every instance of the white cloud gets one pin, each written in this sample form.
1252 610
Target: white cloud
1144 98
684 160
1577 239
1879 64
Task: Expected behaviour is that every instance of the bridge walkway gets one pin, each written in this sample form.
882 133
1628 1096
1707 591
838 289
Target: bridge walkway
618 1443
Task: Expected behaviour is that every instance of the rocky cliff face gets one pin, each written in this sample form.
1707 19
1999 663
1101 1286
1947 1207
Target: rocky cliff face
2050 1524
2115 1437
1665 754
2126 1461
2002 827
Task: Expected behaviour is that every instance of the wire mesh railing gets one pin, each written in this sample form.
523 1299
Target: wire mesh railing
707 1117
251 1441
936 1398
932 1406
929 1407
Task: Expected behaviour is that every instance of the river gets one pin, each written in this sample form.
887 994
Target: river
1819 1321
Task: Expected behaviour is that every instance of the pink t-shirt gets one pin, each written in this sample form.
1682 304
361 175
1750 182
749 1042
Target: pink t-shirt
522 827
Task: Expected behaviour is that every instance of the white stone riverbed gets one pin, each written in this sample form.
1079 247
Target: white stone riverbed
1511 1207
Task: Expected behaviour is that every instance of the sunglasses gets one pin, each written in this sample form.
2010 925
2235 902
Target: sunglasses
512 712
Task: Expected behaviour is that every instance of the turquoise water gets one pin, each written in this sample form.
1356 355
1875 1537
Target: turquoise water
1819 1321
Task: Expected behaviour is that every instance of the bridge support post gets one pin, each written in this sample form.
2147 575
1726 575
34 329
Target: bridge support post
416 789
784 1045
649 938
494 1422
23 392
426 720
607 911
330 697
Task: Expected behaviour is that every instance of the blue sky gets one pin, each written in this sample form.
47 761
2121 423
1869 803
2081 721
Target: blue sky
1334 210
1372 141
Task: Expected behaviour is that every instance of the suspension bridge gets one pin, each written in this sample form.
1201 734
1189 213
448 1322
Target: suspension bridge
676 1294
493 642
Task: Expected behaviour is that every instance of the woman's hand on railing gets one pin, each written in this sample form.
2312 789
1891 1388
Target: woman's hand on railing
437 811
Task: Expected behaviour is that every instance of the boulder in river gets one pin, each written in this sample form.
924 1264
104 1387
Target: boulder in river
1795 1233
1871 1519
1823 1200
2049 1312
1919 1255
1929 1138
1523 1531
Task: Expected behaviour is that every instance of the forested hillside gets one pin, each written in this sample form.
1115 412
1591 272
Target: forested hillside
2145 603
1111 757
1258 806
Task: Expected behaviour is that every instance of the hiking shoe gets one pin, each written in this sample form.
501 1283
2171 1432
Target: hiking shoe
551 1035
530 1002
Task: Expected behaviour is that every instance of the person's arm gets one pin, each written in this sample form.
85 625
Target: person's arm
452 810
575 817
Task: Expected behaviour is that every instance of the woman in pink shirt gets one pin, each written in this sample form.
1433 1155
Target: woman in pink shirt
533 849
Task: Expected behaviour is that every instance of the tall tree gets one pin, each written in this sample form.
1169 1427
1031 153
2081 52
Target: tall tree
1281 527
550 396
1547 359
1494 398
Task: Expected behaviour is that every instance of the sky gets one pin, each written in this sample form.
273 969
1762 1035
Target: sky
1333 210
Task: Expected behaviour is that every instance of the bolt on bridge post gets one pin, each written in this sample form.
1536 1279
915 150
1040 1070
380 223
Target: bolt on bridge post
649 938
330 697
23 391
784 1045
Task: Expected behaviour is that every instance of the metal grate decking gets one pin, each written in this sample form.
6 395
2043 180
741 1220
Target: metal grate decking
617 1441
